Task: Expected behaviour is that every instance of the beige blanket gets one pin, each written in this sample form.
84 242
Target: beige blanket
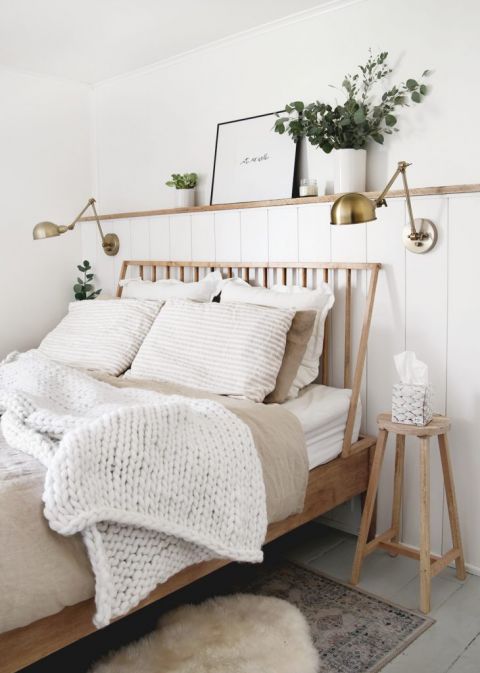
41 572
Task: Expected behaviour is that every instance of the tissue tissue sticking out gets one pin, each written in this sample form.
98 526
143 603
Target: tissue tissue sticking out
412 398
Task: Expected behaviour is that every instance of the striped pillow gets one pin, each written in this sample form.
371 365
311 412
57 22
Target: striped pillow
228 349
101 335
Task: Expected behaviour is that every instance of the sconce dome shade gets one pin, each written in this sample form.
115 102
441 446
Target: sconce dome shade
45 230
353 208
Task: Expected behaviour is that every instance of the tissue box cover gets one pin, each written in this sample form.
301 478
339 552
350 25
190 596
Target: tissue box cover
412 404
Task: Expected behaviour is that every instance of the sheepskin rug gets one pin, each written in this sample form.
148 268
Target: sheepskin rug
241 633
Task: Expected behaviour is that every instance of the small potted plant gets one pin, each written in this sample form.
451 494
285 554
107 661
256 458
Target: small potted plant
366 114
184 184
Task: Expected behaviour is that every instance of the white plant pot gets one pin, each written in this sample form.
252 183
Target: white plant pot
350 170
185 198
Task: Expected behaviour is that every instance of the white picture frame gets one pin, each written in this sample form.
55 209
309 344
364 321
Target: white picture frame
252 162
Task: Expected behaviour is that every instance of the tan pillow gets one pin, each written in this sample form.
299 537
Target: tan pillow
298 337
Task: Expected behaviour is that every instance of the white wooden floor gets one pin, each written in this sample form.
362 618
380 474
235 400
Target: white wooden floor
452 644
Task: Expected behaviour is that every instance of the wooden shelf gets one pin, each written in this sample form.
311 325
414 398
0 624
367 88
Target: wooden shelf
419 191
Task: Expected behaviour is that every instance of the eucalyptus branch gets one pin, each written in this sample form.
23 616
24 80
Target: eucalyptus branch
361 117
83 288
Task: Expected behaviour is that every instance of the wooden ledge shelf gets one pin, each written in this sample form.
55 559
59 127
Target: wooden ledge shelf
305 200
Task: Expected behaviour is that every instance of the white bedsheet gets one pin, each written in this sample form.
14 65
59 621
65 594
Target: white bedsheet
322 412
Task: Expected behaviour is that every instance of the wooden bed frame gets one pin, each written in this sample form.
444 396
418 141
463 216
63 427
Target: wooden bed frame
329 485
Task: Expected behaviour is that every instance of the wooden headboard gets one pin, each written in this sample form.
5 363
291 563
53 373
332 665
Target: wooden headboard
338 275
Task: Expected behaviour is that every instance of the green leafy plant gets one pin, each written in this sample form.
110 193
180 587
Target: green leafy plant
83 288
366 113
183 180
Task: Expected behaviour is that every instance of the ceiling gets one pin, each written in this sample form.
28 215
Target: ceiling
92 40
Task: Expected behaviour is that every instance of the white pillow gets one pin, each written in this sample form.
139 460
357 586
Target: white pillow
228 349
202 290
101 335
290 296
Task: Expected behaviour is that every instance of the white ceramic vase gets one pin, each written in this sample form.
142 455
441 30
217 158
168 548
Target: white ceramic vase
350 171
185 198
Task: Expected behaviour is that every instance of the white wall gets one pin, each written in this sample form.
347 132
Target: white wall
164 120
45 174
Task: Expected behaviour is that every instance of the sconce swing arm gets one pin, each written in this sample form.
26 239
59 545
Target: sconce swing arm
110 242
419 236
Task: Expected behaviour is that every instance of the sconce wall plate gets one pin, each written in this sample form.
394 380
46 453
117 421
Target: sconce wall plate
111 244
426 241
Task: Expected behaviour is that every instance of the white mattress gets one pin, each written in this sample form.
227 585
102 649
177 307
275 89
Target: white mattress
322 412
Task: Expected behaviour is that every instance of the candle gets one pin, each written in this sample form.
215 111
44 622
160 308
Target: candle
308 187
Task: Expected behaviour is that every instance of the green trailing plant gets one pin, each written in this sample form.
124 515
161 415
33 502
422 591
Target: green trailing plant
83 288
366 113
183 180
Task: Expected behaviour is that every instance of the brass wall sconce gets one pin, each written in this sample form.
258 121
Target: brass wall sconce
419 236
110 242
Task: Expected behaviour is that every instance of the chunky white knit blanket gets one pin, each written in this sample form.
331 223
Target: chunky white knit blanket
153 482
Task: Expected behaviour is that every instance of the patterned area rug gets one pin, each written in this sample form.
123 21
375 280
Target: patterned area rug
354 632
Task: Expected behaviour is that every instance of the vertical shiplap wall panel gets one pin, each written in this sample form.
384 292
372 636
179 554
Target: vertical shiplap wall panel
463 369
387 334
104 265
123 229
426 334
203 237
140 242
254 234
349 244
159 237
283 234
228 246
314 232
180 238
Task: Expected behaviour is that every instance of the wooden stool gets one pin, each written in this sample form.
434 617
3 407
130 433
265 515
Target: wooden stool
430 565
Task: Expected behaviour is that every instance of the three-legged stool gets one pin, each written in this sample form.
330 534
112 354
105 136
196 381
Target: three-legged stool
430 565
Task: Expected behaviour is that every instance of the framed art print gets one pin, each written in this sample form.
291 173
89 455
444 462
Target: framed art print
252 163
